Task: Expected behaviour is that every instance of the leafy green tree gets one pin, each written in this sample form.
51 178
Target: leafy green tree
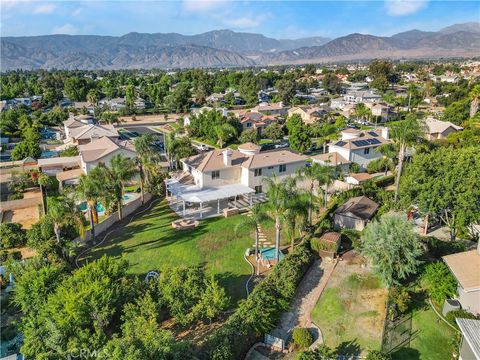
399 297
212 302
93 96
322 352
13 235
224 132
29 146
382 73
376 355
180 99
130 96
249 135
332 83
274 132
457 112
69 151
76 88
45 182
302 338
439 281
89 190
298 134
450 198
474 98
393 247
405 133
286 90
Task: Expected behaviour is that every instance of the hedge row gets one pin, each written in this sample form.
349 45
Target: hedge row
260 312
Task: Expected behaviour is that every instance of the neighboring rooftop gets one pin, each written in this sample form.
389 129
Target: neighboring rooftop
93 131
101 147
437 127
360 207
465 266
470 329
332 159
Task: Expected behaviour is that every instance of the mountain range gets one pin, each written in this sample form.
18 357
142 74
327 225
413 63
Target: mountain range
226 48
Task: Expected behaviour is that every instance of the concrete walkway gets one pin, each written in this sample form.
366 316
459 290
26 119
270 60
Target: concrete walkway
307 295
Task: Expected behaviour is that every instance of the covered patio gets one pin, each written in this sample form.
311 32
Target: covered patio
189 201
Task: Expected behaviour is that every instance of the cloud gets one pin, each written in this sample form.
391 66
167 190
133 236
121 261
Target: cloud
245 22
77 11
404 7
67 29
44 9
202 5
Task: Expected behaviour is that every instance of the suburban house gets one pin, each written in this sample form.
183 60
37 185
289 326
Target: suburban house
258 121
309 114
271 109
437 129
332 159
465 266
102 150
360 146
196 111
378 110
470 342
365 96
338 103
214 178
80 105
74 122
355 213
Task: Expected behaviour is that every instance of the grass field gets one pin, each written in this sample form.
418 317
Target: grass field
150 243
431 339
351 310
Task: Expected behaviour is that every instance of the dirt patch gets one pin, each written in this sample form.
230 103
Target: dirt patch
25 217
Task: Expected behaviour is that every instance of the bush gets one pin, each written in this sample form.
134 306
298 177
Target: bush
439 281
376 355
16 196
302 338
260 312
15 255
400 297
452 315
380 165
3 256
12 235
354 167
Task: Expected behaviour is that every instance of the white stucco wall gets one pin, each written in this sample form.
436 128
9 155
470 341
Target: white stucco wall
470 300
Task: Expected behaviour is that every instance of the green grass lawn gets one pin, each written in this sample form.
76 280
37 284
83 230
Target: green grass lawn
431 340
150 243
351 310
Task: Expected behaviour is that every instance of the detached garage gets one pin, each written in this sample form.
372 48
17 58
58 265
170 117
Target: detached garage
355 213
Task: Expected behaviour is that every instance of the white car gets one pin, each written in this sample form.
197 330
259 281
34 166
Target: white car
203 147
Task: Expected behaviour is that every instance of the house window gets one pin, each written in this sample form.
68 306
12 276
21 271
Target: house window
270 167
282 168
258 189
257 172
215 174
366 151
249 124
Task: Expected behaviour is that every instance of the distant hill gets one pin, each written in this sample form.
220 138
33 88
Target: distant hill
226 48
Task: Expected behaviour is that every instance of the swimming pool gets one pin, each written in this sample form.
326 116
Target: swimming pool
49 154
269 254
84 207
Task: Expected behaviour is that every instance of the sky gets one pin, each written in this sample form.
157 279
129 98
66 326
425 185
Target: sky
278 19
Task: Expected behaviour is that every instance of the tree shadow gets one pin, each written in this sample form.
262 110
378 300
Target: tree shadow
405 354
351 348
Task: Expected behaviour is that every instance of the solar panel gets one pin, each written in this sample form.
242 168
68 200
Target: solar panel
360 143
373 141
372 133
340 143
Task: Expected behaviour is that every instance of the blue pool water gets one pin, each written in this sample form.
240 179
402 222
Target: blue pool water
84 207
269 254
126 197
49 154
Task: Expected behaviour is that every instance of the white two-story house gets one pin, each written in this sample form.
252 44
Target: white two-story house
360 146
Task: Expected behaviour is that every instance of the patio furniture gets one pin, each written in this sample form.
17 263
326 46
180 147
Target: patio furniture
184 224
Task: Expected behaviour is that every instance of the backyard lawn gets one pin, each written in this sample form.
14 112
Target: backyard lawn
351 310
431 339
150 243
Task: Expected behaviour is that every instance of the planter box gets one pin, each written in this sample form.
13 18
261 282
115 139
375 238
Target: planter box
230 212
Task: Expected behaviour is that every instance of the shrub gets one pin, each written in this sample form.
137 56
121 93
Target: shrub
380 165
400 297
376 355
16 196
439 281
302 338
15 255
354 167
3 256
463 314
12 235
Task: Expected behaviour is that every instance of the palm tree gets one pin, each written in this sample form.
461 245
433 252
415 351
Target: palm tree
405 133
388 151
256 216
325 178
312 174
147 156
278 195
44 181
120 171
298 211
89 190
177 148
474 99
224 132
63 212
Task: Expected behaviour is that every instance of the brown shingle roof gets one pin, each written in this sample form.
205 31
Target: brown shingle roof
272 158
331 237
359 207
99 148
465 266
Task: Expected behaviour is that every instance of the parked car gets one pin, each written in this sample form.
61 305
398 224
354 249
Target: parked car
282 145
203 147
267 147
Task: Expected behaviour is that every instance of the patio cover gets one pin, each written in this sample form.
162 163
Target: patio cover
195 195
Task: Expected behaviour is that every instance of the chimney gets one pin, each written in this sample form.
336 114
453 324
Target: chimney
385 132
227 157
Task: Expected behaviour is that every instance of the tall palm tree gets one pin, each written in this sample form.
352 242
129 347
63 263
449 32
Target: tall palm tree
224 132
89 190
297 214
405 133
325 178
278 195
474 99
256 216
115 176
147 156
177 148
63 212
